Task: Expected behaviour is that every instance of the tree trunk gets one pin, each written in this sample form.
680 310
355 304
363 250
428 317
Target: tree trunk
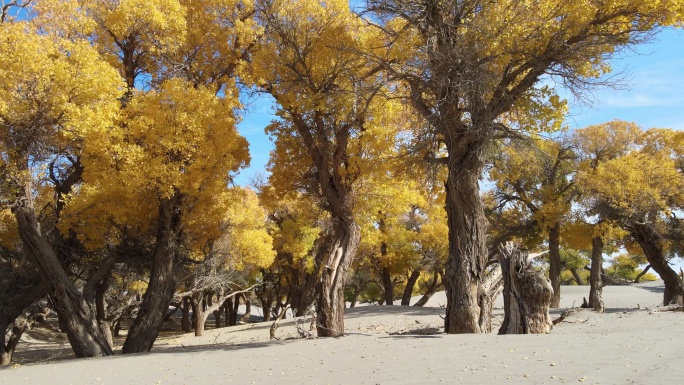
651 243
198 313
231 314
85 336
408 290
595 281
18 291
333 265
388 286
527 295
101 309
9 346
162 285
641 275
554 263
576 276
236 307
186 326
467 233
248 310
430 291
489 290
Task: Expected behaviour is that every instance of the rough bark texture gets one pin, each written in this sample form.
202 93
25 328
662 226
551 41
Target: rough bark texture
467 233
554 263
489 290
650 242
162 285
388 286
408 290
595 281
199 315
527 295
80 321
333 271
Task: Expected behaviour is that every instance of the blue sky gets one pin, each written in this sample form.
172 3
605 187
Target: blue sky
652 95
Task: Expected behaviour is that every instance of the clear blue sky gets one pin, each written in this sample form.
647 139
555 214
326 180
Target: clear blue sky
652 96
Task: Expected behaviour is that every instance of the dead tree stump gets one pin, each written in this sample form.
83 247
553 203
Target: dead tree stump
527 294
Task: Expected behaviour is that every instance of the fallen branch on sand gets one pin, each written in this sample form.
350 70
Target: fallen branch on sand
663 309
567 313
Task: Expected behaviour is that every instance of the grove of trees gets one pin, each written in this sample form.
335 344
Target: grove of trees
119 146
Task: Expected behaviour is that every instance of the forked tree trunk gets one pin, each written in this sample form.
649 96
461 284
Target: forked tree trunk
651 244
387 286
80 321
641 275
595 281
527 295
430 291
162 284
554 263
408 290
467 233
333 266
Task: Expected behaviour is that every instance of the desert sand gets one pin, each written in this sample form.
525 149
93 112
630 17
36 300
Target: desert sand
629 344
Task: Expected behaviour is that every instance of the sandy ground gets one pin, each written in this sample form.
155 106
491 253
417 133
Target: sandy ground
628 344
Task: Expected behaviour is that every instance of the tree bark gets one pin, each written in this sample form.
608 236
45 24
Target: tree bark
186 326
651 244
555 263
85 336
527 295
467 232
198 313
162 285
333 268
641 275
387 286
595 281
408 290
492 285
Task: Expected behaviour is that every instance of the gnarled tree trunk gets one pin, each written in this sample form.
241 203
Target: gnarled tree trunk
467 232
333 265
80 321
650 242
595 281
527 295
408 290
162 284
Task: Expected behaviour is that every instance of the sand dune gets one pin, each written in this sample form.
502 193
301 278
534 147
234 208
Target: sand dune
397 345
